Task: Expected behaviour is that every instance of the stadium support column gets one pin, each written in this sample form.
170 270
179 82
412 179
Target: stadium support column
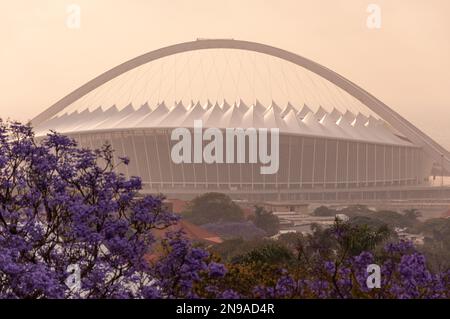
147 159
124 154
313 163
170 161
159 162
376 163
392 166
135 153
348 176
357 164
367 164
289 165
325 166
336 174
301 164
384 165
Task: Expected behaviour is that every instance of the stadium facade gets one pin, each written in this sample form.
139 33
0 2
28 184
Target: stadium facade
322 154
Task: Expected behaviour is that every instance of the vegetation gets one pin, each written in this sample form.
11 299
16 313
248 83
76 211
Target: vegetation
324 211
266 221
213 208
329 263
437 242
70 227
228 230
66 214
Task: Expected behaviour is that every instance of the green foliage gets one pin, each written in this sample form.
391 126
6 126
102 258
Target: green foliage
243 278
324 211
213 208
252 262
362 215
356 210
230 249
260 262
341 240
304 250
439 227
355 239
272 253
293 241
395 219
412 213
228 230
366 220
266 221
437 242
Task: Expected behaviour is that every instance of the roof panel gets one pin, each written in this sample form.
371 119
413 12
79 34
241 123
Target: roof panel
112 120
272 118
346 126
195 113
232 117
302 113
213 117
132 119
174 117
154 117
287 109
253 118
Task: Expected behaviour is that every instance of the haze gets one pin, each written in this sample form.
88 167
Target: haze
405 64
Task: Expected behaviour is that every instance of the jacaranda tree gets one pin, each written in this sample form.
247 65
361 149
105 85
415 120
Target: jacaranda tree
66 215
71 227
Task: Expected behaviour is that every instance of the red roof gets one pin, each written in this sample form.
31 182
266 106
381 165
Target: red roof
178 205
446 214
193 232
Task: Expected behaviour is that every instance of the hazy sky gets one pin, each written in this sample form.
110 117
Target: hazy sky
406 63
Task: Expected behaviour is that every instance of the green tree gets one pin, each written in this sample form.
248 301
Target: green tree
394 219
213 208
324 211
366 220
271 252
355 239
412 213
266 221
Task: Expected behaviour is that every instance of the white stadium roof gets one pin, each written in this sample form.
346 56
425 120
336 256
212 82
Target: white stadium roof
289 119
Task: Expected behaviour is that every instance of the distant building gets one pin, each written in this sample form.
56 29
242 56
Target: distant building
416 239
286 206
342 217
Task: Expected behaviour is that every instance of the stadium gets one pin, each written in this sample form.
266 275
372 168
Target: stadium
336 141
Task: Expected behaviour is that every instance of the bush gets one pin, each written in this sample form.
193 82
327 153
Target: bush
266 221
324 211
272 253
213 208
245 230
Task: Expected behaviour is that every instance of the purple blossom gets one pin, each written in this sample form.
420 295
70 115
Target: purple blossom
62 205
216 270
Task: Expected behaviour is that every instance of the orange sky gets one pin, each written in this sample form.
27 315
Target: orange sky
406 63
